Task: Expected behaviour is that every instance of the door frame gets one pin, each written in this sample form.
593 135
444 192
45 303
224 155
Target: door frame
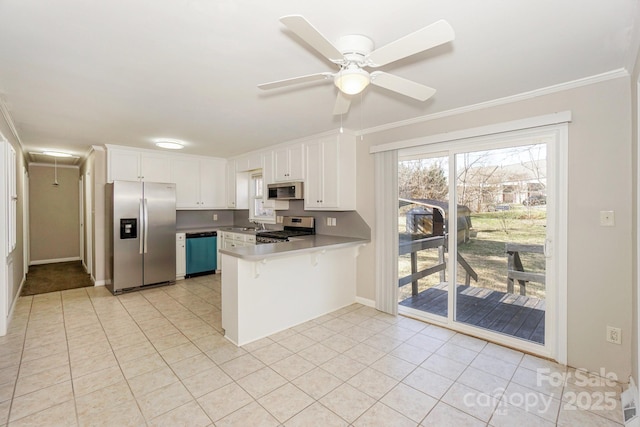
26 247
81 222
4 278
555 346
88 202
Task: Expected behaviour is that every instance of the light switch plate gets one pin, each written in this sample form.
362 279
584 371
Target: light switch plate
607 218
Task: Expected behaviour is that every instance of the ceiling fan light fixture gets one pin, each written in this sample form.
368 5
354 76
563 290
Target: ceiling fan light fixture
352 80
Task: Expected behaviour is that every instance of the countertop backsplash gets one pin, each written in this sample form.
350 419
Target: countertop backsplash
186 220
348 224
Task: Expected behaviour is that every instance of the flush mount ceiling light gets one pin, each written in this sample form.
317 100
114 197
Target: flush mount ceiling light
352 80
168 143
57 154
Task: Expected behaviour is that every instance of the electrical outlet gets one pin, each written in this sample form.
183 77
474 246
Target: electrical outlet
328 222
333 222
279 219
614 335
215 217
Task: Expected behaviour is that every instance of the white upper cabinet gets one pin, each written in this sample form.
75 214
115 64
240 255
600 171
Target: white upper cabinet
288 163
213 175
185 173
155 168
249 162
137 165
231 184
200 182
331 174
237 187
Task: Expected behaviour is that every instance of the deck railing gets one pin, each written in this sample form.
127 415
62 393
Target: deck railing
435 242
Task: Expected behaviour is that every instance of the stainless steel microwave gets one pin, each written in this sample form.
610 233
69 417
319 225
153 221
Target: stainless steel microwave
285 191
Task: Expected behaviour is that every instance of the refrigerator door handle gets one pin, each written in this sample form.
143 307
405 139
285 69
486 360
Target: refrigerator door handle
146 224
140 216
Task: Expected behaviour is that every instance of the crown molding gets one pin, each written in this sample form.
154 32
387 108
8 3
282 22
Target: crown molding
7 117
610 75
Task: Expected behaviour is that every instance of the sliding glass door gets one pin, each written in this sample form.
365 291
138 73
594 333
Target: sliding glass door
501 232
476 226
423 194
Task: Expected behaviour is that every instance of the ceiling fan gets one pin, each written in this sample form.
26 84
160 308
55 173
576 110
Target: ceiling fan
353 53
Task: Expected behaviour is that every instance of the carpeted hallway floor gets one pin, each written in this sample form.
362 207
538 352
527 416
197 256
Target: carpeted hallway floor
59 276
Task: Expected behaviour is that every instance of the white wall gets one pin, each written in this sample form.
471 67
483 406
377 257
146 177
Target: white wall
54 213
600 174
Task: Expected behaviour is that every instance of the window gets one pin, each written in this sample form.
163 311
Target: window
258 210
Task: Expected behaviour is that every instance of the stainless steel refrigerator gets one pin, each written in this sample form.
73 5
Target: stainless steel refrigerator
143 234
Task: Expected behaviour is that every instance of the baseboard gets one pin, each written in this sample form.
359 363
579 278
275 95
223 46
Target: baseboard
98 282
52 261
15 301
24 280
366 301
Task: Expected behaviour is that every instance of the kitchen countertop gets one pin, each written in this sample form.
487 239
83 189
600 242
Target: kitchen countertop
297 245
223 228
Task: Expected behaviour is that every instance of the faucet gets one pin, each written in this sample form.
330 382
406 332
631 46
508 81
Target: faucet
259 225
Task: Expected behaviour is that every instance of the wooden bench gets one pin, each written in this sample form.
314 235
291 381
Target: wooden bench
515 269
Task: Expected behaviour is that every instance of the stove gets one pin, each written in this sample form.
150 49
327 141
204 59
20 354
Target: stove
293 226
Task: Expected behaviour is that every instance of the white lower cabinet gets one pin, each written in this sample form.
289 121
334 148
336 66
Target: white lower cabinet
237 240
181 256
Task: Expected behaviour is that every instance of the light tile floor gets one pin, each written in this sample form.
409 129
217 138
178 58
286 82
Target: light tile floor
157 358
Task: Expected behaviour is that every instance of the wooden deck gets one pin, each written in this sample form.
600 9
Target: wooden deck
515 315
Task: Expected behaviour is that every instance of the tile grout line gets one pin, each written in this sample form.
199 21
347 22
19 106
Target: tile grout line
167 363
15 382
67 309
66 338
114 355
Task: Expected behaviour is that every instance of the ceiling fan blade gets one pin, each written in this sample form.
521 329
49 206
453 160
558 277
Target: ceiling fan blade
307 32
403 86
433 35
343 102
295 81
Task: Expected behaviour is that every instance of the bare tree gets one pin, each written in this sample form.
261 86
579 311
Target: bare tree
422 179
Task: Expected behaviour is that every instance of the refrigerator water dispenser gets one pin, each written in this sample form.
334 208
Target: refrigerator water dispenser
128 228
